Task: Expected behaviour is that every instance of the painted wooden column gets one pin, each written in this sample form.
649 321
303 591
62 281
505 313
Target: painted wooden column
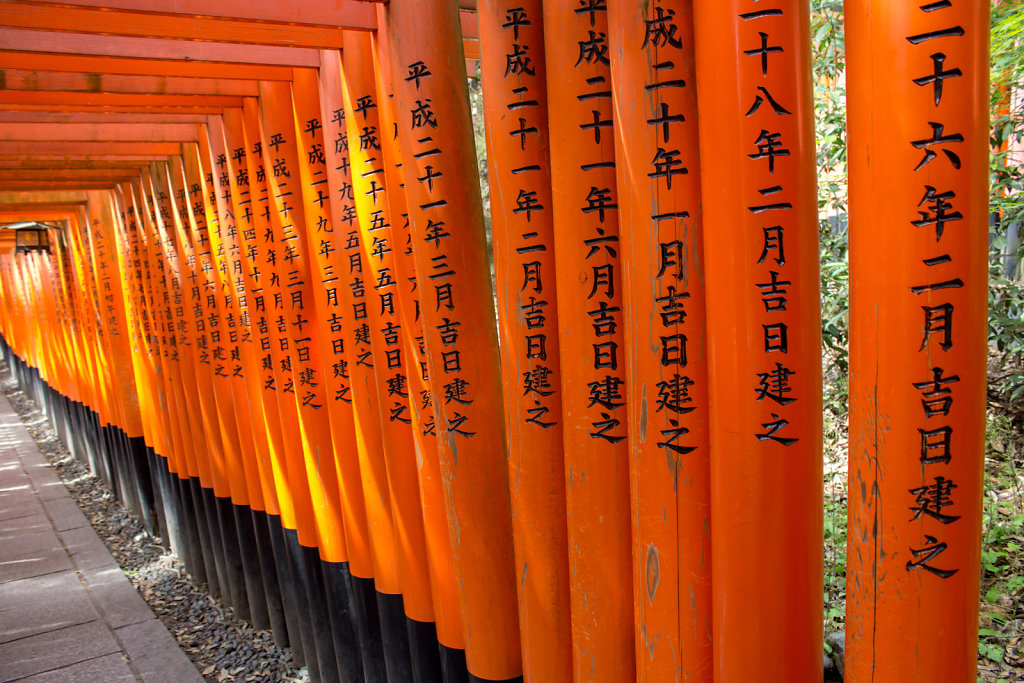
660 224
918 121
513 68
764 337
436 135
443 587
591 343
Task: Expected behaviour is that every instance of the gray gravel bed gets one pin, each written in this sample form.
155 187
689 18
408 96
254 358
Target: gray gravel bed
222 646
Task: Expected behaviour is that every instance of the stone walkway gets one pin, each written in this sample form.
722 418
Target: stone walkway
67 612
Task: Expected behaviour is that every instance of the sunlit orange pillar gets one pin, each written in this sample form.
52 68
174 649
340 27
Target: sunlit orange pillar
918 122
515 89
436 135
443 587
376 577
764 337
591 340
653 79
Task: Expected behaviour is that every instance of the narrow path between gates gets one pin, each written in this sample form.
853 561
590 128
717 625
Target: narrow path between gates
67 611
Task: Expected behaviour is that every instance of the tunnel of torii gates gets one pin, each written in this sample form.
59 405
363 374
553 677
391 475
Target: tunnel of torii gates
267 320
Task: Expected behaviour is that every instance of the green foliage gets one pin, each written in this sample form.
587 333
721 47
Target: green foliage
1006 290
827 46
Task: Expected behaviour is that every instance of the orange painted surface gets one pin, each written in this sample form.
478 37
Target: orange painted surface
112 310
50 98
292 312
24 79
588 279
353 292
87 174
242 363
337 435
443 588
232 392
89 148
391 361
173 26
764 337
317 12
522 220
653 79
457 307
140 67
260 278
25 40
918 292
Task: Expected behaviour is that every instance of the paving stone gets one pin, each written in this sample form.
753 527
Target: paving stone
65 514
25 524
106 669
156 655
55 649
43 603
16 511
28 543
40 563
86 549
117 598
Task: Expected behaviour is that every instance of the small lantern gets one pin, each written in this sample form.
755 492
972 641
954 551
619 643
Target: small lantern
33 238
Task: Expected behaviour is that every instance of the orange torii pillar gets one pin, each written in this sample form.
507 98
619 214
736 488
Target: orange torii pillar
170 282
653 79
436 136
262 402
591 345
515 96
208 442
322 255
391 361
293 495
116 318
443 587
294 314
764 337
362 480
918 334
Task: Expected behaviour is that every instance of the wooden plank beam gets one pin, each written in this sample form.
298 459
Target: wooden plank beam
90 148
30 185
352 14
7 116
26 40
38 61
32 163
80 158
32 199
86 174
116 99
171 26
124 132
24 79
110 109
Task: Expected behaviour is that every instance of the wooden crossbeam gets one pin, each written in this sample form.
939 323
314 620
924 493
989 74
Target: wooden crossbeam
38 61
90 148
85 107
96 117
34 163
89 174
352 14
25 79
32 97
25 40
125 132
43 16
